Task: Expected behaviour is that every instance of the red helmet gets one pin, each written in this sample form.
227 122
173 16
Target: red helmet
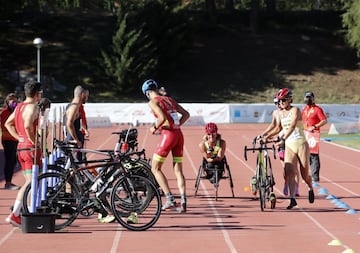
211 128
284 93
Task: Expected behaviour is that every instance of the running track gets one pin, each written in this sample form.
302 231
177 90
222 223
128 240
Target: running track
331 224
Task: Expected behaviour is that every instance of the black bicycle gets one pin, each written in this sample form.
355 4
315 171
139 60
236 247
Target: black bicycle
67 200
264 178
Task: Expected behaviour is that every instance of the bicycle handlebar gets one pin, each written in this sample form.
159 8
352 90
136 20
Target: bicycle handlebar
261 148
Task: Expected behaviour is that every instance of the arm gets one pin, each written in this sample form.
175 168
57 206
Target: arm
83 120
185 115
161 117
322 117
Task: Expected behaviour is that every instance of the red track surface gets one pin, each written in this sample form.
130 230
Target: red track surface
227 225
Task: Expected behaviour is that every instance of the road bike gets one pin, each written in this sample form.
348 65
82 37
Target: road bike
72 190
263 180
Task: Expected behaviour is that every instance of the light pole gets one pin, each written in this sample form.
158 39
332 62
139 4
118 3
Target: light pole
38 42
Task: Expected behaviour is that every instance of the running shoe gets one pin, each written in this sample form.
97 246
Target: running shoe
169 204
311 196
133 219
182 208
253 182
286 189
292 203
107 219
11 187
14 220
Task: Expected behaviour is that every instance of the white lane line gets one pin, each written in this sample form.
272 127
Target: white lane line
317 223
212 207
7 236
116 241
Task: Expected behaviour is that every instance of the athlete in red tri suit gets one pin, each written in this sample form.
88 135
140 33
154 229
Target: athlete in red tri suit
168 123
22 124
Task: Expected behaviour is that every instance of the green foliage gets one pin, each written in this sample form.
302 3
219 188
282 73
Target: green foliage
149 38
351 21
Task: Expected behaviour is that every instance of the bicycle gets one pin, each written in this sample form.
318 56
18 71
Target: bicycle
264 178
67 200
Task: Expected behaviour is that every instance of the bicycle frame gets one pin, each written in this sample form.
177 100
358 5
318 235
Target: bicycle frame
264 176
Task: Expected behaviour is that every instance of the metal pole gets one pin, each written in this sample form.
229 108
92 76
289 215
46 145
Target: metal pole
38 64
38 42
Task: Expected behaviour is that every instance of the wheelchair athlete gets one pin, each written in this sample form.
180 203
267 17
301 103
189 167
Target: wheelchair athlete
212 148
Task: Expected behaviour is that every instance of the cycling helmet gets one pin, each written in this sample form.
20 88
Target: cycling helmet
284 93
211 128
149 85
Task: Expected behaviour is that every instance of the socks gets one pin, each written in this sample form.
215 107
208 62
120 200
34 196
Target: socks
183 198
17 207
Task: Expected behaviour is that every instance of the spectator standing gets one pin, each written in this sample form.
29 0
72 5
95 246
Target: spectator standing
168 124
23 124
9 142
313 117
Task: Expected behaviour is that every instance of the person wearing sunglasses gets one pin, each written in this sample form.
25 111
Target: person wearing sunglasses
296 146
273 126
212 148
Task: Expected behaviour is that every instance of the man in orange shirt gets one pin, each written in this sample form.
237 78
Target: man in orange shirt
313 117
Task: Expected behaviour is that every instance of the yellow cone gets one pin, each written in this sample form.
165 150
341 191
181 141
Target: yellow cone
348 251
246 188
335 243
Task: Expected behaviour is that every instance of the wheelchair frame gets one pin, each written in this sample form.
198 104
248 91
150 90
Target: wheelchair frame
227 174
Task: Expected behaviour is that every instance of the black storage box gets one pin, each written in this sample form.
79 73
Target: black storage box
38 222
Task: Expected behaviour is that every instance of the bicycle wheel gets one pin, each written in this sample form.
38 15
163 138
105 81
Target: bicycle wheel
262 188
61 198
140 167
271 183
136 202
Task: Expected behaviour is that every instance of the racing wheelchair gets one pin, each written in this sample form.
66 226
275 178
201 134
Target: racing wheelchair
214 174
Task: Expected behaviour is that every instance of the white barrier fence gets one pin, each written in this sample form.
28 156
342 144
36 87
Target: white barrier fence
110 113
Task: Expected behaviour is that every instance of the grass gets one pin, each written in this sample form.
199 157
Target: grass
348 140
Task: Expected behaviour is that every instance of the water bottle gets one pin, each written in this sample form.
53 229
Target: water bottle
124 147
253 182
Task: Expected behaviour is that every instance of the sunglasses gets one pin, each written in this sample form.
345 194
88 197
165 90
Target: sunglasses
283 100
276 103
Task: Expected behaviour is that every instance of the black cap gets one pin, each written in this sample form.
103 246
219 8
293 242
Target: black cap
309 94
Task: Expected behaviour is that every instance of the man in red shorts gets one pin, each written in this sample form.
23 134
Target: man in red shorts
22 124
168 123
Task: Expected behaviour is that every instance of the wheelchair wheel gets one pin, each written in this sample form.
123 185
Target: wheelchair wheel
198 178
230 179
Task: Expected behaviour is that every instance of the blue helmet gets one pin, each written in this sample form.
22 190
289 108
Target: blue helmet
149 85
